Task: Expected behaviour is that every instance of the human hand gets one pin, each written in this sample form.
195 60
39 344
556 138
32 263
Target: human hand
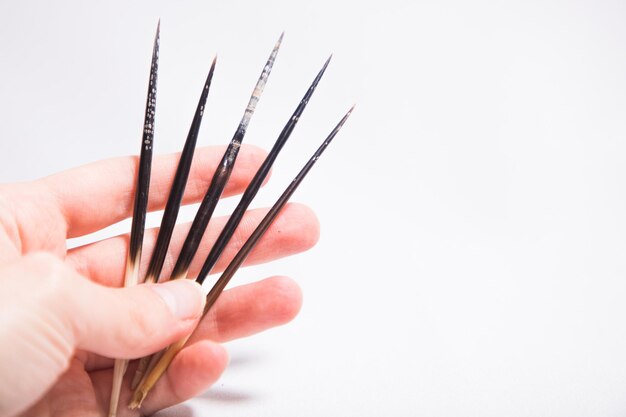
61 320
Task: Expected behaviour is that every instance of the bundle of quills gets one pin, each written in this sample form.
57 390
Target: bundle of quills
151 368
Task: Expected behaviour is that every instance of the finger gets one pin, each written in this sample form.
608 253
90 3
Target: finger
294 231
97 195
250 309
239 312
194 369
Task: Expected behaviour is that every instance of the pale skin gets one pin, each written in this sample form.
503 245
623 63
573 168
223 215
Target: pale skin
62 317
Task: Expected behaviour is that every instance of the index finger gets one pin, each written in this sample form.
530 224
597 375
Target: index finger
97 195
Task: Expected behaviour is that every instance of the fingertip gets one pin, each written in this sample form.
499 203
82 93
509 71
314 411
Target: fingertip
287 298
312 222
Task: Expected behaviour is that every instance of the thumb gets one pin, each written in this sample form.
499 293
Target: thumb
113 322
132 322
47 311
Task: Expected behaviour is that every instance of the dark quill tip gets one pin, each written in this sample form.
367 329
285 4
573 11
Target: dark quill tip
343 120
328 61
319 75
157 40
324 144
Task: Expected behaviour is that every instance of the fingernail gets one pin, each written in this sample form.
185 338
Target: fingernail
183 297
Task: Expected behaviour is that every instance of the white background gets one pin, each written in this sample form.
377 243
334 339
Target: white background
473 209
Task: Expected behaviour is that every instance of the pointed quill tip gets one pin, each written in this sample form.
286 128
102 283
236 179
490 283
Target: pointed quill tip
345 118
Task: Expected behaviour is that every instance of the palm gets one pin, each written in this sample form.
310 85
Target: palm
40 216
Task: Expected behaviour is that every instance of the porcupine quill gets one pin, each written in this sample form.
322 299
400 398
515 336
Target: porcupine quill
173 204
139 212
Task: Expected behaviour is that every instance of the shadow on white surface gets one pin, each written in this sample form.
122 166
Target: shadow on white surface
240 359
180 410
216 396
227 395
